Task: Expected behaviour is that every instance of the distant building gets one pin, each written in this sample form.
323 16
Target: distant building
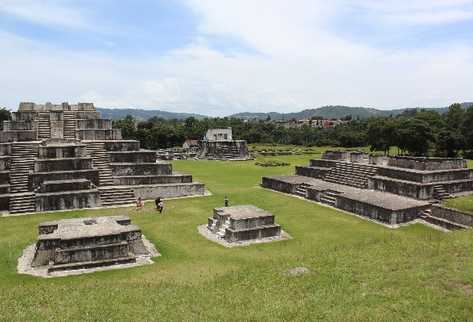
313 123
219 134
219 144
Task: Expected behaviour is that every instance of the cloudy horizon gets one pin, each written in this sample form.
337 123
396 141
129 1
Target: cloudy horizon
223 57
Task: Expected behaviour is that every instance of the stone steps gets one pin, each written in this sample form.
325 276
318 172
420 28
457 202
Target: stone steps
101 161
69 125
116 196
22 163
350 174
44 126
24 202
441 193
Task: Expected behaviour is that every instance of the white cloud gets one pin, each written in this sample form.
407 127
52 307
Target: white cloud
298 63
417 12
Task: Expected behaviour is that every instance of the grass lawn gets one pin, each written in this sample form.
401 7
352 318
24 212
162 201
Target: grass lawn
464 203
359 271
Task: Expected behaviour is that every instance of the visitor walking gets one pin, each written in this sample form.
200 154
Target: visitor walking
159 205
226 201
139 203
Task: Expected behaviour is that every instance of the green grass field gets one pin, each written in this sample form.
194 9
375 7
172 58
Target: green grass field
359 271
464 203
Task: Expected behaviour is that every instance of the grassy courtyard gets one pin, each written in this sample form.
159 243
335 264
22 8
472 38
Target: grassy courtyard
359 271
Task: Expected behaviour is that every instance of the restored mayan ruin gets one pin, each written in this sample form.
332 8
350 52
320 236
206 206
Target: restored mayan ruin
86 243
55 157
241 225
218 144
390 190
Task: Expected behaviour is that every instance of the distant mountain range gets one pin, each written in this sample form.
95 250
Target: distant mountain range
141 114
333 111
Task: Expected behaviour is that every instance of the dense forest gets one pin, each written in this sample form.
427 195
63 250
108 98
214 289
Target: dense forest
416 132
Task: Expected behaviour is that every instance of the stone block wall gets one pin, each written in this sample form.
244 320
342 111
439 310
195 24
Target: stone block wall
278 185
50 165
142 156
151 179
453 215
99 135
421 163
312 172
150 192
35 179
130 169
103 124
426 176
67 200
122 145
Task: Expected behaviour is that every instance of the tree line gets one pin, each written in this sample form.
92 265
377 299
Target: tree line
415 132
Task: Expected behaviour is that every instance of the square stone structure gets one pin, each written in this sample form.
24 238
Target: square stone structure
65 156
243 223
218 144
83 243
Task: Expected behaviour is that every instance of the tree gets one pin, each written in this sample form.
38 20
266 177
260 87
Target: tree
415 136
5 115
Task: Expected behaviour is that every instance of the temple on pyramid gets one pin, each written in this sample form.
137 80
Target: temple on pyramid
56 157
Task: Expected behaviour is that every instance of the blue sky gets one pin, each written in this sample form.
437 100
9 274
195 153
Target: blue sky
219 57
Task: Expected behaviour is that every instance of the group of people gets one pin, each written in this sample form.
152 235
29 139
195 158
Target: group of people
158 201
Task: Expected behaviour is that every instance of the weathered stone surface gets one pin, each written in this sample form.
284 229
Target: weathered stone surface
241 223
84 243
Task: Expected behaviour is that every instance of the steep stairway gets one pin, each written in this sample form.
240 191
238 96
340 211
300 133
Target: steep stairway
69 125
329 198
22 202
301 190
44 126
221 231
22 163
101 161
112 196
351 174
440 193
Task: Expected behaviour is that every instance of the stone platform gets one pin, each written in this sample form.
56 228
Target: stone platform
383 207
242 225
85 244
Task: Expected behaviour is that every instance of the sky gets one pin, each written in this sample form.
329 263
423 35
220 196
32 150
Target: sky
219 57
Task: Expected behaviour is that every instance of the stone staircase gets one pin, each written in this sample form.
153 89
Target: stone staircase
301 190
44 126
329 197
22 163
351 174
101 161
228 152
116 196
441 222
69 125
22 202
440 193
221 231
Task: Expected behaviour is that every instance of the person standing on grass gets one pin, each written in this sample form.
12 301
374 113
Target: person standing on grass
159 205
226 201
139 203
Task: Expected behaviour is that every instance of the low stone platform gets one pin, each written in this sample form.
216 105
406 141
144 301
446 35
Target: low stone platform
241 225
79 245
383 207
